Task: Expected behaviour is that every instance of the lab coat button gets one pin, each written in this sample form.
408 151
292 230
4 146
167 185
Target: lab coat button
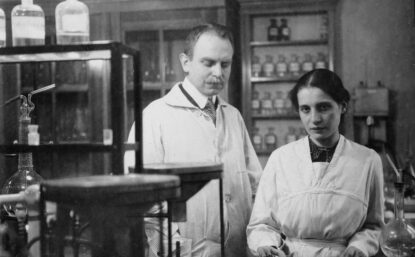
227 198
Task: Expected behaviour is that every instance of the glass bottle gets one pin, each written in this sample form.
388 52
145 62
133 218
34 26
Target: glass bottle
282 67
256 66
279 104
294 66
290 136
2 28
270 139
266 104
255 103
28 24
273 30
285 30
321 61
257 139
268 66
72 22
287 104
33 135
398 236
307 65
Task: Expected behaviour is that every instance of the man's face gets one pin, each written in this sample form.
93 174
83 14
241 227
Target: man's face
210 66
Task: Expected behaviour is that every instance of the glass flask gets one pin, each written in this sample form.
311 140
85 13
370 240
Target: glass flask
28 24
2 28
25 175
397 238
72 22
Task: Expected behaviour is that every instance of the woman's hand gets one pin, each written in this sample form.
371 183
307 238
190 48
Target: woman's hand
269 251
352 252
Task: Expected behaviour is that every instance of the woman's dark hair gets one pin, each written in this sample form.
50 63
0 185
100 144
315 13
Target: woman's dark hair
325 80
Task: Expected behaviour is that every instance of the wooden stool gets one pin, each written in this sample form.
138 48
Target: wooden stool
110 207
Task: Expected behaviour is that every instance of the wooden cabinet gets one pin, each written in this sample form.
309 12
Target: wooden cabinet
281 42
94 85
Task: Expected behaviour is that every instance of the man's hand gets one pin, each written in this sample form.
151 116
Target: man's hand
269 251
352 252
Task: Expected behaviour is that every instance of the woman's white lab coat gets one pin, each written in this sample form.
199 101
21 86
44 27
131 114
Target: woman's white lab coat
176 131
321 207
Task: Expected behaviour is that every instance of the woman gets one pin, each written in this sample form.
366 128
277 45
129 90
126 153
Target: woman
323 192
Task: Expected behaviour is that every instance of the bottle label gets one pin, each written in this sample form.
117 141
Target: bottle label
257 139
294 66
320 65
255 104
279 103
307 66
270 139
281 67
28 27
75 23
267 104
256 68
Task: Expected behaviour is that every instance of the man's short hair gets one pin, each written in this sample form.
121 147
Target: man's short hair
196 32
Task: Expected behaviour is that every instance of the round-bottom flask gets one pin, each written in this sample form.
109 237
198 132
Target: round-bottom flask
398 236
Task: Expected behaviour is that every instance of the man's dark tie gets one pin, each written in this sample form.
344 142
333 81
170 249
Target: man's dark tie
210 110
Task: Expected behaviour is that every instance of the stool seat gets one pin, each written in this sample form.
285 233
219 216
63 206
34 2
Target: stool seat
108 190
193 176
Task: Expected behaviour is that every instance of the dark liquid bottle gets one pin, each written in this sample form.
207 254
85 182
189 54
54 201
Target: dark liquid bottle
273 31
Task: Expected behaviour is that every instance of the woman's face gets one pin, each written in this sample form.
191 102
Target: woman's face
320 115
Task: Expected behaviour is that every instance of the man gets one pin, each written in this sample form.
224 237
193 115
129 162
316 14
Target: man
178 128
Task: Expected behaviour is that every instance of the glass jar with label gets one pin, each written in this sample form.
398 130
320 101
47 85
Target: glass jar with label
257 139
270 139
282 66
294 66
279 104
256 66
307 65
266 104
272 33
269 66
321 61
72 22
285 30
28 24
255 103
289 110
290 136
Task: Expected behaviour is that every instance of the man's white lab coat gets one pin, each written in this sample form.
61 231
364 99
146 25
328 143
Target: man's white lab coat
174 130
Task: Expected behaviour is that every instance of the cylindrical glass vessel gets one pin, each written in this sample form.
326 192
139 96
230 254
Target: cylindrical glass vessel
398 237
28 24
72 22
